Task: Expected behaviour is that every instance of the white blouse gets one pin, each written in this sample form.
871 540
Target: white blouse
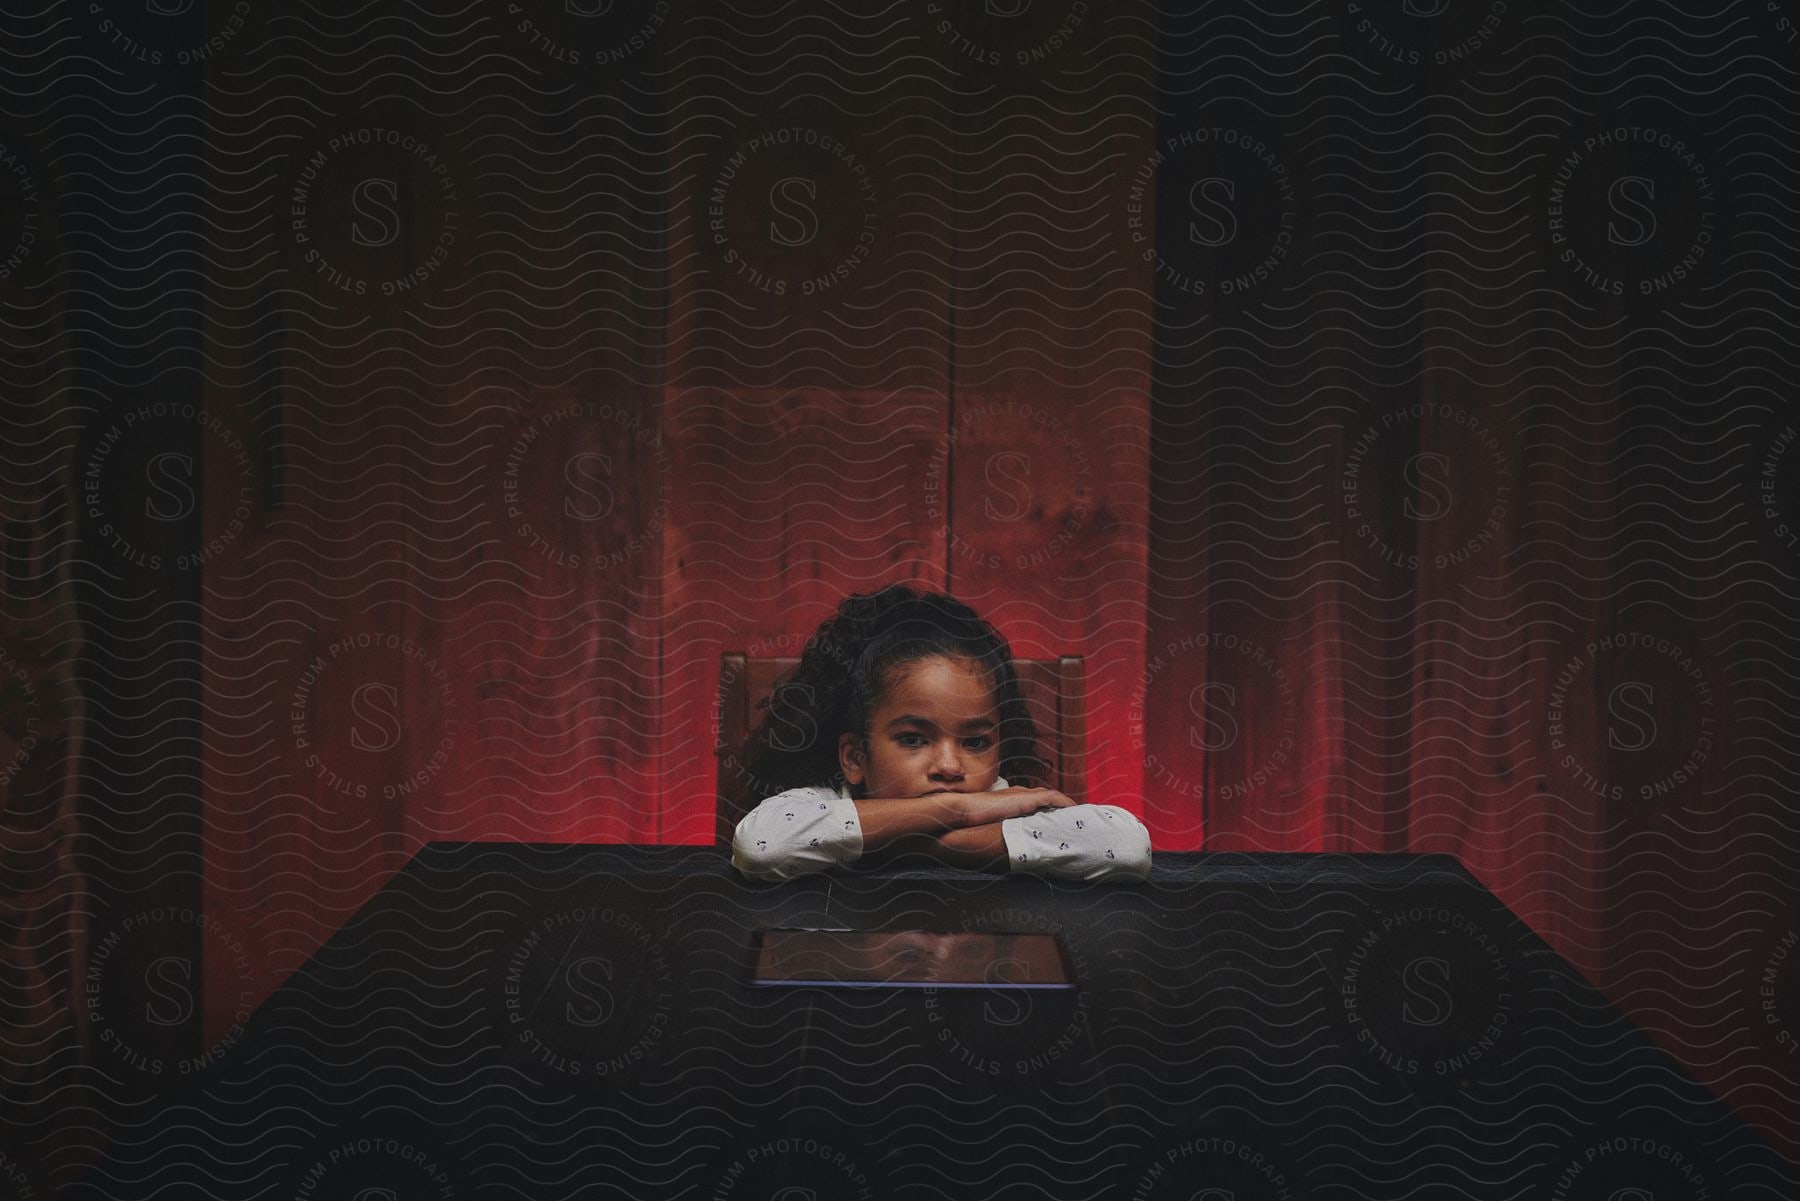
811 829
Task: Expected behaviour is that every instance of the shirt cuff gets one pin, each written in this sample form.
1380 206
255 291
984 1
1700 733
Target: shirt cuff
1078 842
846 830
788 836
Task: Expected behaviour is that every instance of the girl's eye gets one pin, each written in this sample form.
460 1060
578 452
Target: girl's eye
980 742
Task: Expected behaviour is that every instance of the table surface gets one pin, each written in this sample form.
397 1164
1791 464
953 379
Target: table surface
1166 866
552 1021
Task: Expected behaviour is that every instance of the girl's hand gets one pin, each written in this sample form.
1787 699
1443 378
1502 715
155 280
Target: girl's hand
985 808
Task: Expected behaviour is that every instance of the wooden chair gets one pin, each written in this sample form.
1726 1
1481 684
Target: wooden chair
1055 693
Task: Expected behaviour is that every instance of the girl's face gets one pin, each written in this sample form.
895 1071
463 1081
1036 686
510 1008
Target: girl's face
936 729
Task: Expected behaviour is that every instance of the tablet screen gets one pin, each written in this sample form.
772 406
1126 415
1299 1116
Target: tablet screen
909 959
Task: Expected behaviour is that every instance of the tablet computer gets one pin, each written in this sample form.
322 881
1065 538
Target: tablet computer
909 959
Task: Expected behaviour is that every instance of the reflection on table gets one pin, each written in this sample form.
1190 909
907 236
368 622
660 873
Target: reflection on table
900 957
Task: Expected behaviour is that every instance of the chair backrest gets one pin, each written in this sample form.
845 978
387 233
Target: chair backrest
1054 690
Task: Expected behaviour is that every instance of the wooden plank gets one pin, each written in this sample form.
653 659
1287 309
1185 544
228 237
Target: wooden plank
449 628
1276 703
810 236
839 509
808 347
1048 440
49 798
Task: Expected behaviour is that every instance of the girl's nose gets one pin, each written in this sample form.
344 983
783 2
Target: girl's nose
948 761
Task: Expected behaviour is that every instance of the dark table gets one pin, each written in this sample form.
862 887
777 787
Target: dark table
543 1022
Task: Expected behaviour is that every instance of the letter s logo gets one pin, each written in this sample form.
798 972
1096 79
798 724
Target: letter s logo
1632 1194
1008 474
1215 1194
1619 707
587 8
1221 217
803 223
170 8
365 706
1630 197
791 725
587 979
597 503
384 220
1428 477
1426 979
1426 8
1007 1008
1222 729
1014 9
376 1193
168 981
795 1192
170 477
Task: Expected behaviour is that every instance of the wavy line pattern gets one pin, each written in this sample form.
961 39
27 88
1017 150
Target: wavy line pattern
409 403
568 1020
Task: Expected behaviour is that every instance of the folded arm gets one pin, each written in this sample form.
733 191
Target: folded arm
812 829
978 848
1080 842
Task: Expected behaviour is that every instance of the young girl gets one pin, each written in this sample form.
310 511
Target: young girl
898 733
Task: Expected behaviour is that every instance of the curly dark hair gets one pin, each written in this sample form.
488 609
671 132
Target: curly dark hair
848 665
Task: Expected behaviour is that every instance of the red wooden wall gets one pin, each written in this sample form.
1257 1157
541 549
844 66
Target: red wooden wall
717 343
543 365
